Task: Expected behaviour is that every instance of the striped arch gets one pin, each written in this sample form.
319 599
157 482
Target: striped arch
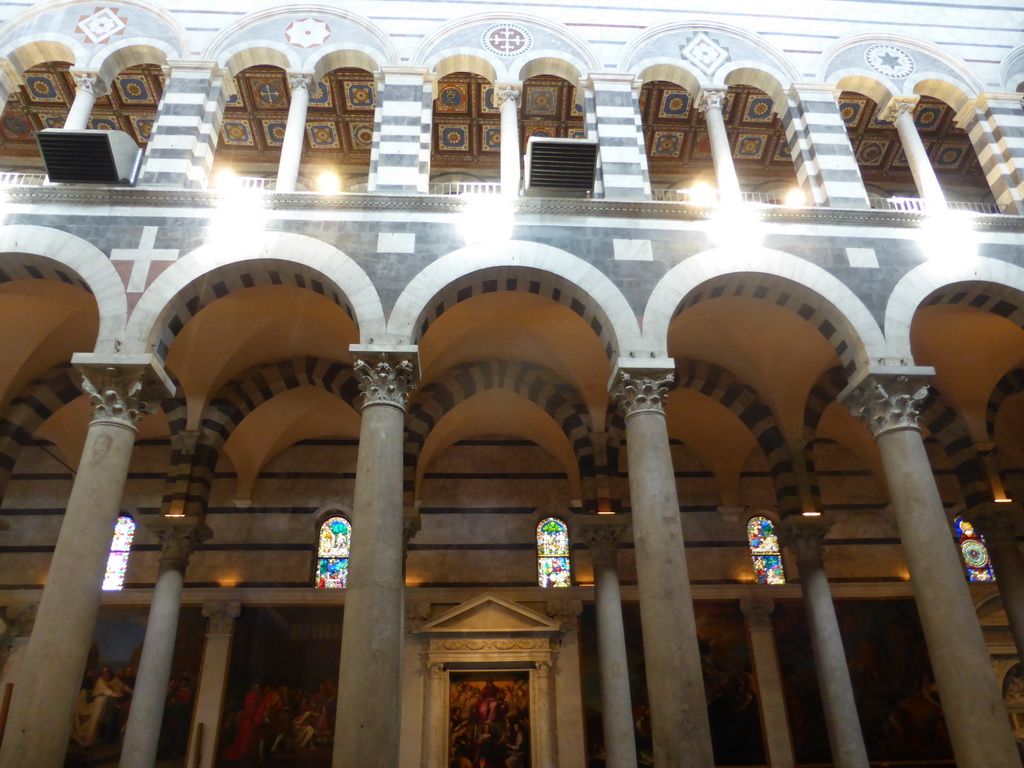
985 284
40 253
213 271
536 383
726 388
516 266
824 392
193 461
787 281
945 426
40 400
1011 384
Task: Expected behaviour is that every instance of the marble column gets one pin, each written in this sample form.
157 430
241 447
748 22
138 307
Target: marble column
890 405
434 701
40 719
804 537
544 714
89 86
711 104
900 110
601 535
675 684
213 677
368 736
757 611
294 133
999 524
178 538
511 174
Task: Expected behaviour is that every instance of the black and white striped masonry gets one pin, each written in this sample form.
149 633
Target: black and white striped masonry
400 155
995 124
621 138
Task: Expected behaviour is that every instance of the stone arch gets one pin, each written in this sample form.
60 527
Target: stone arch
31 50
113 61
548 63
551 41
669 71
517 266
42 398
209 272
343 55
193 461
534 382
937 73
746 404
983 283
41 253
259 38
746 51
1011 71
1011 384
793 283
453 60
945 426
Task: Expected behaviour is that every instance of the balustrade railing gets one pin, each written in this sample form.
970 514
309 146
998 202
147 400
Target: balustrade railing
466 188
916 204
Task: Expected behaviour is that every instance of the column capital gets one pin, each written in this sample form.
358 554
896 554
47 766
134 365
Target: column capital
416 614
90 82
888 401
185 441
222 616
565 612
411 524
300 81
503 93
179 537
436 669
543 668
804 536
122 388
898 106
601 534
758 612
998 522
712 98
642 388
385 375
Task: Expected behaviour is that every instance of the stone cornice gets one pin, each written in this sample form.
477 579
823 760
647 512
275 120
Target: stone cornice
129 197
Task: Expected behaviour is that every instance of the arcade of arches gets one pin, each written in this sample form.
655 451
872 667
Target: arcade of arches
330 440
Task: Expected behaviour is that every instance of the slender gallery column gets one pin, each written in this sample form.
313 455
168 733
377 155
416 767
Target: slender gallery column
758 614
601 535
511 175
178 538
89 86
40 719
999 523
804 538
890 404
213 677
367 736
900 110
679 719
711 103
294 133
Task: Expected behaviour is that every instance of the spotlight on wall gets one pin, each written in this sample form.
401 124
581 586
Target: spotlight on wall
795 198
328 183
226 179
701 194
735 224
486 218
946 235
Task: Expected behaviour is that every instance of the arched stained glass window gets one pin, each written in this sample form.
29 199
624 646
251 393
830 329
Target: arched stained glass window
974 551
553 568
764 551
332 553
117 561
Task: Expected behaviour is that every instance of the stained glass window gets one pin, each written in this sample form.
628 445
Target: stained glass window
117 561
332 553
553 568
974 551
764 551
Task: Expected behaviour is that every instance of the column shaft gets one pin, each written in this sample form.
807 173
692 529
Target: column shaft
616 706
434 708
711 104
213 677
902 113
294 133
511 175
1009 567
544 727
769 682
89 88
39 723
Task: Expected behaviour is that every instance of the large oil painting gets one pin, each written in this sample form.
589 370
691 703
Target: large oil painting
489 720
282 692
730 689
104 702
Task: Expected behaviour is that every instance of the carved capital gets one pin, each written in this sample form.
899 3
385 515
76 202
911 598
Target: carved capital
118 394
711 99
998 523
505 93
804 537
17 620
436 670
758 612
411 524
91 83
601 535
640 391
184 442
565 612
179 537
898 106
385 381
543 668
222 617
887 401
299 82
415 615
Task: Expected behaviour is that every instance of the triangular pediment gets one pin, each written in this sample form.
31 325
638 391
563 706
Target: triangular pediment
490 613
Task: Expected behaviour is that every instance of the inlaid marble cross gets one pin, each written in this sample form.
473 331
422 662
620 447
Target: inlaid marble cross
143 258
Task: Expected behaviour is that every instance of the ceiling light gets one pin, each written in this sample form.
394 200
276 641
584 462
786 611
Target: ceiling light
328 183
795 198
